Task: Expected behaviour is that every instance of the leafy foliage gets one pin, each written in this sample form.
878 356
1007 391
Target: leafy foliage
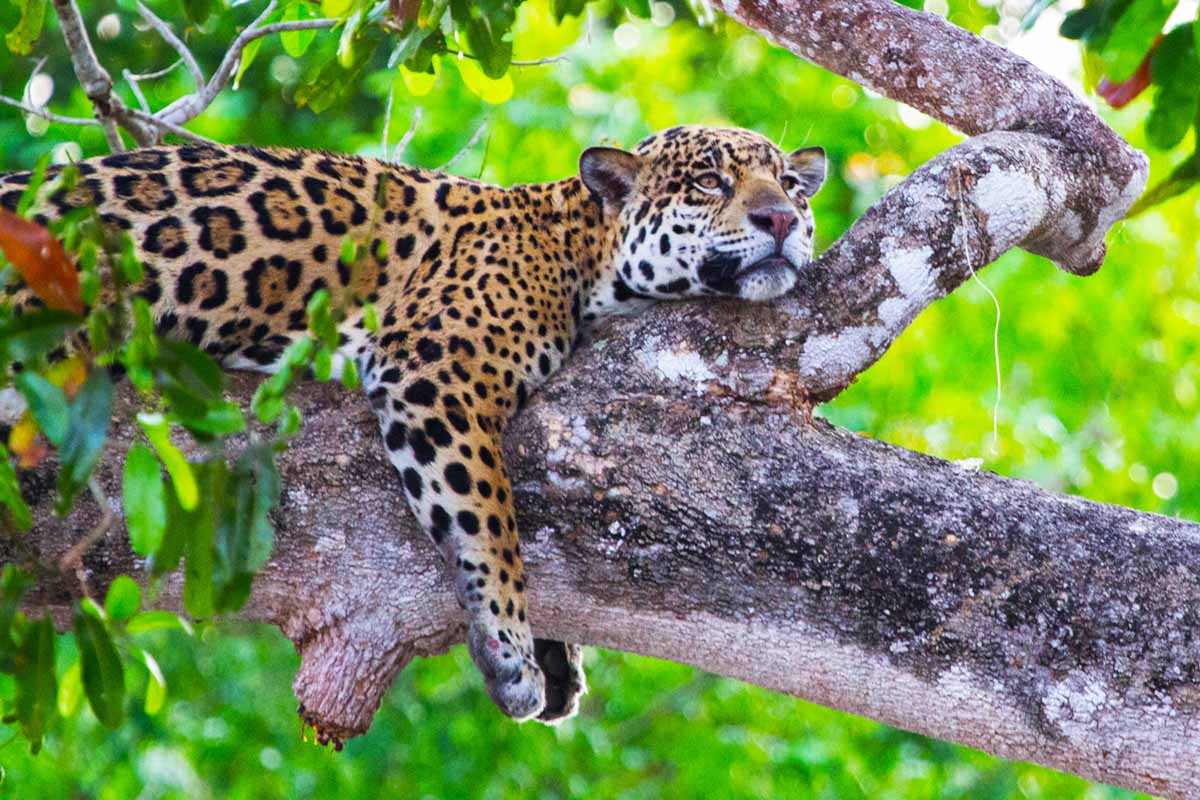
1129 51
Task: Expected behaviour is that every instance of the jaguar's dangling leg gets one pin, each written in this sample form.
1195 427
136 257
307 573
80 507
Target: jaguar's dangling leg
449 459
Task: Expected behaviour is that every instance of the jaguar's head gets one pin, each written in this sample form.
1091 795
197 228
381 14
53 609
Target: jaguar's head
707 211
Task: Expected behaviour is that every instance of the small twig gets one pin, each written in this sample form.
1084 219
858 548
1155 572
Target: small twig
134 79
112 134
150 76
187 108
40 112
387 119
164 30
466 149
535 63
73 558
169 127
134 87
408 134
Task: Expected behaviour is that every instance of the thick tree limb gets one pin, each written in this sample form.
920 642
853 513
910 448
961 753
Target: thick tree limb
678 501
664 516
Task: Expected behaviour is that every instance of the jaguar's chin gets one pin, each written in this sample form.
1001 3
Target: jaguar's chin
764 279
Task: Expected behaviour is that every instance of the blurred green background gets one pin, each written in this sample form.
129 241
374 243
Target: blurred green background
1100 393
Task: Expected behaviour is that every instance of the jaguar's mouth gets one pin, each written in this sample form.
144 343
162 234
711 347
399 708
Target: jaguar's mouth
765 266
759 280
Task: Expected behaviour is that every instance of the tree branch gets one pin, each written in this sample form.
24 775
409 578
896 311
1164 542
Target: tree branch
664 516
678 501
44 114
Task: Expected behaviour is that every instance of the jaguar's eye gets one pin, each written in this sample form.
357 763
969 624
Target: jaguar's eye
709 182
789 182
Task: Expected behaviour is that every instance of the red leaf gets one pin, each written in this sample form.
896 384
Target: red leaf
404 11
41 260
1119 95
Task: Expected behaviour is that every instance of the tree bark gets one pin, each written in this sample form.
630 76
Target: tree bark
678 500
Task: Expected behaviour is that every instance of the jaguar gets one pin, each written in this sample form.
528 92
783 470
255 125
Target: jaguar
480 293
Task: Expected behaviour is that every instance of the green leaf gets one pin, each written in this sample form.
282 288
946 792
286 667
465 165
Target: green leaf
212 476
37 688
1182 178
348 39
197 11
36 179
101 670
248 54
244 534
1172 69
1132 36
145 502
87 428
267 402
336 8
420 59
220 420
349 374
567 8
488 26
370 318
175 537
70 691
323 364
156 685
190 379
28 336
10 493
1196 36
13 584
1081 22
47 403
296 42
182 478
158 620
124 598
639 8
21 38
320 316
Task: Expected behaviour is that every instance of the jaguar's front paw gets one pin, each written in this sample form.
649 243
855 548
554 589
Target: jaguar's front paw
515 683
562 665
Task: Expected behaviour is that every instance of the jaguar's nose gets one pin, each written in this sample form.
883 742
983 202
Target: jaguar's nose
778 221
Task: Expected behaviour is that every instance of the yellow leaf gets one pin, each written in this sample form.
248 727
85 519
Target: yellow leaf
68 375
419 83
491 90
24 444
335 8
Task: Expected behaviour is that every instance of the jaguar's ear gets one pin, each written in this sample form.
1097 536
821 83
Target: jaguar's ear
609 172
809 163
